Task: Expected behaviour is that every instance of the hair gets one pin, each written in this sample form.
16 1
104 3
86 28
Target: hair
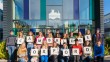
19 34
87 31
79 35
50 35
20 50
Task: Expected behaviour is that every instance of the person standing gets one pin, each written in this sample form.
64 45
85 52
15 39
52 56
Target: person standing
10 45
30 45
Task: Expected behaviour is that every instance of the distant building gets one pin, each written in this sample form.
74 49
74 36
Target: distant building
107 24
55 14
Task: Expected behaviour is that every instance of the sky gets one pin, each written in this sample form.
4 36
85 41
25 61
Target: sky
106 6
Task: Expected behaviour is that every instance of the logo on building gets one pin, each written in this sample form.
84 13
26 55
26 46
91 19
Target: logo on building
54 15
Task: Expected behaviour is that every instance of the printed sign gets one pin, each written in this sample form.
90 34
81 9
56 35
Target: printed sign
87 50
71 41
20 40
49 40
63 41
44 51
29 39
75 51
57 40
87 37
66 52
34 52
80 40
54 51
39 40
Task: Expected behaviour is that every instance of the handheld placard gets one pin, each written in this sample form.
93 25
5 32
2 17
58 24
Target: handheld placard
29 39
49 40
54 51
20 40
57 40
75 51
44 51
63 41
87 37
34 52
72 41
80 40
66 52
87 50
39 40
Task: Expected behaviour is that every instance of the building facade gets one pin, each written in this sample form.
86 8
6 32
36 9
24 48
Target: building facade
107 24
40 15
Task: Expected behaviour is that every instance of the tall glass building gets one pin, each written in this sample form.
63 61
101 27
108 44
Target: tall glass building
66 15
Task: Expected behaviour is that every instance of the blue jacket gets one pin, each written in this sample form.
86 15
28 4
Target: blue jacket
99 50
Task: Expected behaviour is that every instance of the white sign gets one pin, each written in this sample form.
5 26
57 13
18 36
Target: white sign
57 40
66 52
29 39
20 40
80 40
34 52
87 37
49 40
71 41
54 15
39 40
87 50
63 41
54 51
44 51
75 51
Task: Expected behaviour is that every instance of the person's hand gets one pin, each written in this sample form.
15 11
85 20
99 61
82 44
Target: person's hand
6 48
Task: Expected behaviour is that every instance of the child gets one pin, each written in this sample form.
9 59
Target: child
35 58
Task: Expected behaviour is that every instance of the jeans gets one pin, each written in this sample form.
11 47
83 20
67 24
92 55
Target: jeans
44 58
99 59
76 58
21 60
88 59
11 52
29 47
65 59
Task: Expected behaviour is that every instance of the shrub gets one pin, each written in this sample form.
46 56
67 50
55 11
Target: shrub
3 52
107 46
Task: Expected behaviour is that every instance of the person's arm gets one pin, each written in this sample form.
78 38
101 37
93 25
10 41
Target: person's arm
102 51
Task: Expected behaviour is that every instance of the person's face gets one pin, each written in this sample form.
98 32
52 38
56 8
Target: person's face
65 35
57 31
87 43
40 33
11 33
79 33
64 45
30 33
55 44
23 45
88 31
76 43
98 43
45 42
35 46
21 34
71 34
98 31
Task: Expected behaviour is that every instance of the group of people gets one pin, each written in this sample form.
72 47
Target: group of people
56 48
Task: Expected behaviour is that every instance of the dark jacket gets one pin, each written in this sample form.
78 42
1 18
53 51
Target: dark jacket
11 40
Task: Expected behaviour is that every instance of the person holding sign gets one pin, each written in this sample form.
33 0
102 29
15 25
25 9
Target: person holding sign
64 57
49 39
80 36
30 41
44 53
54 50
87 55
65 37
22 53
22 37
35 54
41 36
99 51
10 45
88 36
78 57
71 37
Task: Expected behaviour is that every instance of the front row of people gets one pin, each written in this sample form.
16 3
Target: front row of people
74 55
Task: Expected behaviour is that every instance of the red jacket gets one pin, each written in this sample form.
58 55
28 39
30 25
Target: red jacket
79 47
